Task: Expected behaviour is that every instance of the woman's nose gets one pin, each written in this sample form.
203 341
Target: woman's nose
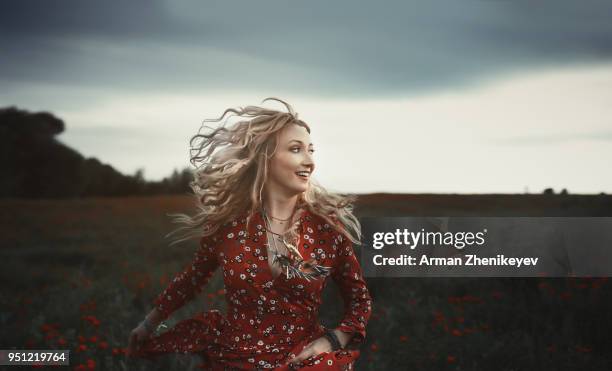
308 160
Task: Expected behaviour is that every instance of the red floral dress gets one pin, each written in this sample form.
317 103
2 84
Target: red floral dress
268 319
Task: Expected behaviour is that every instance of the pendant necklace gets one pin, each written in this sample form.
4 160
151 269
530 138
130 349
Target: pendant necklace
302 269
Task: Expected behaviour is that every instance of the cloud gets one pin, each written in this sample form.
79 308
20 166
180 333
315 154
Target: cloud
353 49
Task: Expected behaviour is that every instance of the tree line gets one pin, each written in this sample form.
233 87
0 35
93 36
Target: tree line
36 165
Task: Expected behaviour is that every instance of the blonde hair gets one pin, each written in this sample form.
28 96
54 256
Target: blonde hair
231 169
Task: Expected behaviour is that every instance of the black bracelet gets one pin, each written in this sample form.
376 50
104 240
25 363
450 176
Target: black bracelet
331 336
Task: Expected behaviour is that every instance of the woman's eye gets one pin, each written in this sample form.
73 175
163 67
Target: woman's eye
311 150
295 149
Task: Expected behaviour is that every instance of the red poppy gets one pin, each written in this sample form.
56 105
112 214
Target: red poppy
61 341
48 327
403 338
457 332
374 347
91 364
92 320
103 345
118 351
451 359
81 348
93 339
51 335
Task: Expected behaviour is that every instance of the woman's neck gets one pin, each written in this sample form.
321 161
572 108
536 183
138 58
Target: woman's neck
280 207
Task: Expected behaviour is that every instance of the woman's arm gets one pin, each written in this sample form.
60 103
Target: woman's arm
187 283
153 319
357 301
343 337
182 289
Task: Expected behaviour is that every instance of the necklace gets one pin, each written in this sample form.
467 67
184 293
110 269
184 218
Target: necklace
302 269
282 221
290 247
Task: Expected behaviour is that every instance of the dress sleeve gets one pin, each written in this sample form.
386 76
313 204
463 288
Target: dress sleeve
190 281
357 301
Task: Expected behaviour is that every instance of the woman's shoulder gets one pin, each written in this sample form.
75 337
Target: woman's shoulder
227 228
324 225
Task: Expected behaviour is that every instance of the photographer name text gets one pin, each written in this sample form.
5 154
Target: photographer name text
468 259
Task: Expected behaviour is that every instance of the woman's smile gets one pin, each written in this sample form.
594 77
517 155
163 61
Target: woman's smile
304 175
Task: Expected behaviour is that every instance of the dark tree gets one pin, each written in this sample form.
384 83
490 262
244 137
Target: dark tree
36 165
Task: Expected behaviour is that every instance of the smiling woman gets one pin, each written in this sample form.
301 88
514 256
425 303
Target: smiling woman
277 236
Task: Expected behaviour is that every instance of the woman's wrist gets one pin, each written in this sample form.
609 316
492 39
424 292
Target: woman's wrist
332 338
343 337
149 325
151 321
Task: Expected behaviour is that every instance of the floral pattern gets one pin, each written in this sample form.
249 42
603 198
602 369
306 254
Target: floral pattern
268 319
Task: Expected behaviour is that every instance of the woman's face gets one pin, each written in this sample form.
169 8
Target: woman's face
292 164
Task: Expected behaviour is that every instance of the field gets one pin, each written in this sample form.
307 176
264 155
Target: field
80 274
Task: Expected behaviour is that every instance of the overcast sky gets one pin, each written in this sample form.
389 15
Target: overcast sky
402 96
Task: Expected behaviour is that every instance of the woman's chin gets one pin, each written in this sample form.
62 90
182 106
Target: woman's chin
296 190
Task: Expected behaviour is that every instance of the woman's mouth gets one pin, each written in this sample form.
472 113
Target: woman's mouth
303 174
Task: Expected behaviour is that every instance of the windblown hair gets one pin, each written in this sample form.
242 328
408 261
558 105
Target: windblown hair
232 167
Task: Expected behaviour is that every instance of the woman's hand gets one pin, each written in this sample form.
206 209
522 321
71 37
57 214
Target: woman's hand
137 337
316 347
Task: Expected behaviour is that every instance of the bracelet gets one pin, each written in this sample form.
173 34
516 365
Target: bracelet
331 336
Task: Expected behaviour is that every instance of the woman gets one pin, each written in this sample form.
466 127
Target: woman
277 236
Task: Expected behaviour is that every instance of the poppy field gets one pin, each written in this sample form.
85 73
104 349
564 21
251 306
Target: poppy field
80 274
